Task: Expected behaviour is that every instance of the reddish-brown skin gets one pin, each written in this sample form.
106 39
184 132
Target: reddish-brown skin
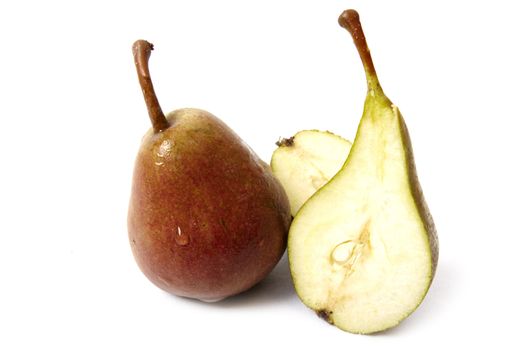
207 219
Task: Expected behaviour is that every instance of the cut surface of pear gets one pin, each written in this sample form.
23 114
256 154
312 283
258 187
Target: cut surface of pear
363 249
306 161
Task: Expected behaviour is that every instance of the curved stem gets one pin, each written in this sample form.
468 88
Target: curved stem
141 52
349 20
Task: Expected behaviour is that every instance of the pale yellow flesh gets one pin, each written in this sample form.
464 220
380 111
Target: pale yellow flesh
358 250
308 163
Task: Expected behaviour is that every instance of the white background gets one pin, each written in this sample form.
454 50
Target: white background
72 116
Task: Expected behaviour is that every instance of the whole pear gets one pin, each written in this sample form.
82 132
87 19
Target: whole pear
207 219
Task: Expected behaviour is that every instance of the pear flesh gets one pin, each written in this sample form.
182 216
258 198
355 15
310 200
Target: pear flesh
306 161
363 249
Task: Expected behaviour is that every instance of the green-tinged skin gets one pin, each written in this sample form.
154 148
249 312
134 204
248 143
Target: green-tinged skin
306 161
363 249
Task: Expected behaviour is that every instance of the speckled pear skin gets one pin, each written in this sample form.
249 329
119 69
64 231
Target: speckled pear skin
207 219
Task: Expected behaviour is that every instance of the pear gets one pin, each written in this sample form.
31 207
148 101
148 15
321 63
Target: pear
363 249
207 219
306 161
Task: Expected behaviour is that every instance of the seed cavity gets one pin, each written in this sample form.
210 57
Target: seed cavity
348 253
345 251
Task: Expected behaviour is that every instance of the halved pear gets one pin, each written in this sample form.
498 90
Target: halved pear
363 249
306 161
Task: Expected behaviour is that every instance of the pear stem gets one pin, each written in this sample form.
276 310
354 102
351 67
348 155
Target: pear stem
349 20
141 52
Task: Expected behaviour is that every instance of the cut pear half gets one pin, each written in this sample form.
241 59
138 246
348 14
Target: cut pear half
363 249
306 161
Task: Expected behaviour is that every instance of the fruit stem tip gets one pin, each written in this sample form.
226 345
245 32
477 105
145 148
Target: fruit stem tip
141 53
349 20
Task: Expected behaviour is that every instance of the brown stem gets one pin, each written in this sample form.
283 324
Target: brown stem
349 20
141 52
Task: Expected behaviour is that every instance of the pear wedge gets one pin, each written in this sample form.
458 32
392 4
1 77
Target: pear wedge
363 249
306 161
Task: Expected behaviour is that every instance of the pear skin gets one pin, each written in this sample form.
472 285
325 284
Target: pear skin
207 219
